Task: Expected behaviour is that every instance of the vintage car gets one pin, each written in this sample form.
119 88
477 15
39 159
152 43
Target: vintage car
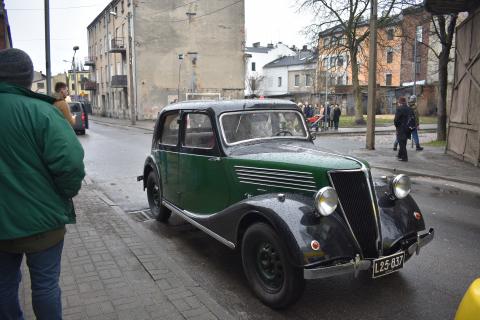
248 173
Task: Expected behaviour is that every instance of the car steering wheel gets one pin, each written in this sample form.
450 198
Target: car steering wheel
283 133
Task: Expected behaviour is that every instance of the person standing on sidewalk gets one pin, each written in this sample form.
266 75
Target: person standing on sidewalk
336 116
403 116
61 93
41 169
412 103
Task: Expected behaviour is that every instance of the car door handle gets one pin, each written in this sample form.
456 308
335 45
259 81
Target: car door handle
214 159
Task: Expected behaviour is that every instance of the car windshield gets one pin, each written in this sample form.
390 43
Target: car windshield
269 124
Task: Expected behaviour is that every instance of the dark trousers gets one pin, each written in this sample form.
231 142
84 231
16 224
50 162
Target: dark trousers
402 151
335 123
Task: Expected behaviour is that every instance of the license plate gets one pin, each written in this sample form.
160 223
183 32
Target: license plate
386 265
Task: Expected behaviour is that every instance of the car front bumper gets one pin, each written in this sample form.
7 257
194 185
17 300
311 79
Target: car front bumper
356 265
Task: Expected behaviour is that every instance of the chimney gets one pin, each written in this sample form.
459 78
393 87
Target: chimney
294 48
256 44
270 45
304 48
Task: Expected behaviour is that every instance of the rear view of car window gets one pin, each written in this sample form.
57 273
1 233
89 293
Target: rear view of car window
198 131
75 107
170 130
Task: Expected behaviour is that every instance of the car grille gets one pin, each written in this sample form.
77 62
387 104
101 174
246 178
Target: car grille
284 179
355 198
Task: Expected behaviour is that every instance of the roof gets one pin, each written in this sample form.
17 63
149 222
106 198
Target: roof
258 49
110 5
219 106
303 57
450 6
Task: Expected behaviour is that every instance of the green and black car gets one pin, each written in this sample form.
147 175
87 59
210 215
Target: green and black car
248 174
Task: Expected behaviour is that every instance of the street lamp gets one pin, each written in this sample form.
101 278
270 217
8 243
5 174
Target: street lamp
75 48
180 58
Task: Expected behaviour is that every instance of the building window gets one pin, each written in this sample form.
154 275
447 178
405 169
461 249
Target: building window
418 65
333 61
340 61
340 80
389 55
388 79
40 85
254 68
297 80
390 34
308 80
326 42
279 81
325 62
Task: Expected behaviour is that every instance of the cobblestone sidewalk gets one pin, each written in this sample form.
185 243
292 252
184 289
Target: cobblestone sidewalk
110 271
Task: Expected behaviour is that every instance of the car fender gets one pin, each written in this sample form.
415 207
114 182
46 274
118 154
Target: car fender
399 219
293 218
149 165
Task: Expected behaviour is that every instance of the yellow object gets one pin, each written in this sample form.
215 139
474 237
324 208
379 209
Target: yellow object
469 308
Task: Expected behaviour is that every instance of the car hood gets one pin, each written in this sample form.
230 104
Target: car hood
295 156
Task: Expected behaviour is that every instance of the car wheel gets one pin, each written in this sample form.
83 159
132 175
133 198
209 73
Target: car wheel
154 195
275 281
81 132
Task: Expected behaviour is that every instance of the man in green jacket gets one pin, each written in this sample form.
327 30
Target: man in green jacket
41 169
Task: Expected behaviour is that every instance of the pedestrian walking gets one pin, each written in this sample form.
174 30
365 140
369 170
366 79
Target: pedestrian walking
41 169
337 111
404 122
61 93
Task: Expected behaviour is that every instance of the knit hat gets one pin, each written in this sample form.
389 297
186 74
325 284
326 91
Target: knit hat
16 67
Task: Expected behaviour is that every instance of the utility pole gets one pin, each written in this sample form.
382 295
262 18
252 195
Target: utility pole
325 124
130 70
372 77
74 67
180 58
47 47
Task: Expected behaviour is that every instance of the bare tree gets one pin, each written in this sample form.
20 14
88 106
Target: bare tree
444 27
254 84
346 20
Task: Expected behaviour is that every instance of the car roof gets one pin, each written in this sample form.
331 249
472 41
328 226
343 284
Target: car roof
220 106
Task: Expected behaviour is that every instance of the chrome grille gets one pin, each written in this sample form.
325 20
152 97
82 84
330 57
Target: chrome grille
355 198
277 178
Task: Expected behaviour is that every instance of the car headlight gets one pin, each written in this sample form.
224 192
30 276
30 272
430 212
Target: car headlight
401 186
326 200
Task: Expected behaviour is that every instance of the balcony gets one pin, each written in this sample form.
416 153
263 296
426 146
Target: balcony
119 81
90 85
118 46
89 61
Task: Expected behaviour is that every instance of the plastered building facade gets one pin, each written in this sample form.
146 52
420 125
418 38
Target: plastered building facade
147 54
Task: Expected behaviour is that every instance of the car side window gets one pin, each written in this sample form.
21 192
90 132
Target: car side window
199 131
170 130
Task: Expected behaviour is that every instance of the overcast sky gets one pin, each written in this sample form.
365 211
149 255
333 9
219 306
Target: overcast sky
265 21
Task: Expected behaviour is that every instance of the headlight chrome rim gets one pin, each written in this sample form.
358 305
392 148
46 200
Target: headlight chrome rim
326 201
401 186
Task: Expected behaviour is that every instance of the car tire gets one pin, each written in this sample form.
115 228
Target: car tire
81 132
154 195
273 279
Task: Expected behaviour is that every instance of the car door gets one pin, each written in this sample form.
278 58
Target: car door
166 156
202 173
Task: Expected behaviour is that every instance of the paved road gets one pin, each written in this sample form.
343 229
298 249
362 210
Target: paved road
430 286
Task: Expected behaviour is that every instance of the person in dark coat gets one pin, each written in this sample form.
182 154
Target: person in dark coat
336 115
402 117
